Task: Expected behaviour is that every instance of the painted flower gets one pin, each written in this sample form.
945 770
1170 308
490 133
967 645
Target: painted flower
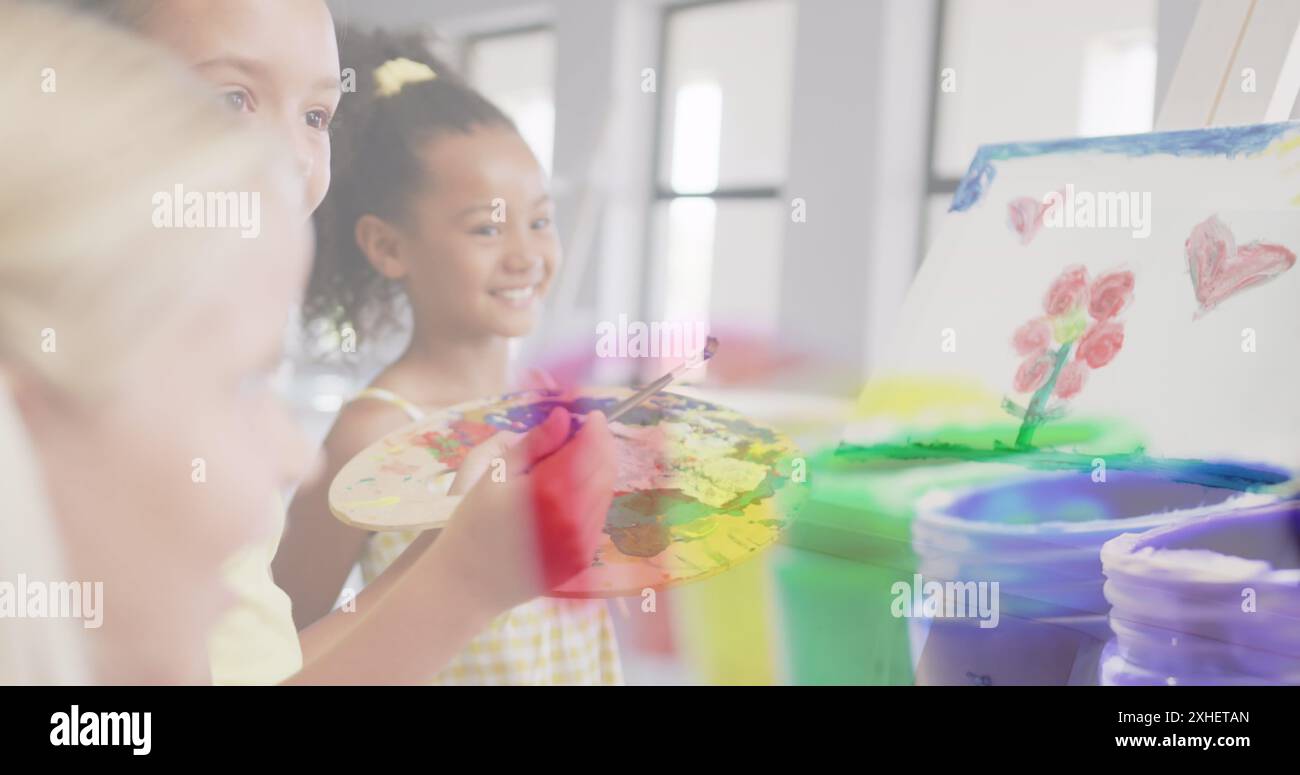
1032 374
1070 381
1068 291
1098 346
1110 294
1081 315
1033 338
1068 327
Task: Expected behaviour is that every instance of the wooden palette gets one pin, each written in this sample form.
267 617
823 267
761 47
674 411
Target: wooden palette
700 488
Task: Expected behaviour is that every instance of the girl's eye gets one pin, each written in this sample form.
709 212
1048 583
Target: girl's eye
542 223
487 231
318 119
236 100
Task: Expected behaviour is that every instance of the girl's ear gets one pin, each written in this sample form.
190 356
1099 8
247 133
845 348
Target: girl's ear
381 243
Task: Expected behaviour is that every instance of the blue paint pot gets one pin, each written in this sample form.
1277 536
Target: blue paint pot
1211 601
1031 547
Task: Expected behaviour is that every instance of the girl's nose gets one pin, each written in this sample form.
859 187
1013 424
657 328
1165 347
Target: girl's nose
520 260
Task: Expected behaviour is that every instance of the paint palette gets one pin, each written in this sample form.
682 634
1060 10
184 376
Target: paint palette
699 488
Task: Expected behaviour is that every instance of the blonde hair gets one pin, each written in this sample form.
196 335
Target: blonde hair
96 122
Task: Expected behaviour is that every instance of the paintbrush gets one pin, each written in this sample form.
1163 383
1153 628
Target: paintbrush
645 393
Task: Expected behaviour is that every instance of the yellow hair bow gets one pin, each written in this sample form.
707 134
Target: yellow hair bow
394 74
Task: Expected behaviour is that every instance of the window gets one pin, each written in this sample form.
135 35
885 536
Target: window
1021 70
516 71
723 137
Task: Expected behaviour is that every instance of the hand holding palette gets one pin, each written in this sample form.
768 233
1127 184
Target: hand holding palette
699 489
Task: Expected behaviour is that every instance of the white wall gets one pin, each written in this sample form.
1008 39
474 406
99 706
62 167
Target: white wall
1173 23
859 126
857 156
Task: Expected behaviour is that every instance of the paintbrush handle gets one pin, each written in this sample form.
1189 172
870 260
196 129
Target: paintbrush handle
636 399
620 409
640 396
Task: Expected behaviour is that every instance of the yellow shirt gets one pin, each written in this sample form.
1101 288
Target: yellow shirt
256 641
544 641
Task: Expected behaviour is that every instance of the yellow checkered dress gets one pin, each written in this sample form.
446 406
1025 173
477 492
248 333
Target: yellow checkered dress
546 641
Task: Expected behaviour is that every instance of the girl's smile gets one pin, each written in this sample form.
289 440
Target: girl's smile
517 297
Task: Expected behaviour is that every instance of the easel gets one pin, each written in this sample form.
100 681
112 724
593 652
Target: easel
1227 37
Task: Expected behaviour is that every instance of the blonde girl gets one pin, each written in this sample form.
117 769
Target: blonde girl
129 352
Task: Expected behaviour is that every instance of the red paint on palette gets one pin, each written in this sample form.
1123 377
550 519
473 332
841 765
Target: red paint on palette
451 447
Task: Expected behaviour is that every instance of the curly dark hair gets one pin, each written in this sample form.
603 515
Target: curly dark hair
376 168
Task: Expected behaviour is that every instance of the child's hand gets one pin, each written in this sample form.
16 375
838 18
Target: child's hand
480 458
516 539
571 491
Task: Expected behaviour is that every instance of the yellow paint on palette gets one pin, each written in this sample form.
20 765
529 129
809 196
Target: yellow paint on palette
693 531
716 481
724 626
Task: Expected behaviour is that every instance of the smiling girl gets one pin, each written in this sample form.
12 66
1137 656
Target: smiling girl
439 205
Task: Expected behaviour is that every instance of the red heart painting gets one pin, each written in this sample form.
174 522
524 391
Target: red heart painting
1221 269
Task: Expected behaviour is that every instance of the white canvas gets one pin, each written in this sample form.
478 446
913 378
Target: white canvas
1187 378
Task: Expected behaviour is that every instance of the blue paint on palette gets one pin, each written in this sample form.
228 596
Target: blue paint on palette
526 416
1220 141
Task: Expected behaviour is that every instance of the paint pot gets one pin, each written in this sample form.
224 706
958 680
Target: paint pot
852 543
1212 601
1038 539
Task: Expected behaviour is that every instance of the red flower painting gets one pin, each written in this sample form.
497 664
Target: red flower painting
1080 321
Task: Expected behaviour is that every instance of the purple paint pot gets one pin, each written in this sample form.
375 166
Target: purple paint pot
1033 545
1212 601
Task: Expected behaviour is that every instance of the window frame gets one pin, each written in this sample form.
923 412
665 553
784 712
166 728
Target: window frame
661 193
469 41
935 185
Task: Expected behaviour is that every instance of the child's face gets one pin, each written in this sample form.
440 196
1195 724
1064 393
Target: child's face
276 62
159 480
481 243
